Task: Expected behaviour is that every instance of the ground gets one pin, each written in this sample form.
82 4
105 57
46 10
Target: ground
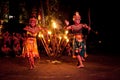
97 67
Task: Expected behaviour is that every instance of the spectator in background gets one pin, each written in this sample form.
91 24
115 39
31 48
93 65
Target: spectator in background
5 50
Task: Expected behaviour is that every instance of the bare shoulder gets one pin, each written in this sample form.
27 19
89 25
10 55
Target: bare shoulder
69 27
84 25
26 27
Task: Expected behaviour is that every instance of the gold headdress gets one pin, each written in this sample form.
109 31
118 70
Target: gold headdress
33 19
76 16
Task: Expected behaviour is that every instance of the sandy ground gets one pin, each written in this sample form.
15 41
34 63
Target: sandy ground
97 67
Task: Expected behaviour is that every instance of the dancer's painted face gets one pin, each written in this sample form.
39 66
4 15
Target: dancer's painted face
32 23
77 21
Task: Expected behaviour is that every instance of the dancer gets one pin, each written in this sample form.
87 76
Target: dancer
30 49
79 46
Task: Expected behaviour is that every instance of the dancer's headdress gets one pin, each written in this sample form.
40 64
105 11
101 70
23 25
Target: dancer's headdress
76 16
33 19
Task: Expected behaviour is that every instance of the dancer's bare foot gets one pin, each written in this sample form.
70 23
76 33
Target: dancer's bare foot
83 59
31 68
86 55
80 66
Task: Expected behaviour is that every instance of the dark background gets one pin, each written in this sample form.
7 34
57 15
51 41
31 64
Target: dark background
103 17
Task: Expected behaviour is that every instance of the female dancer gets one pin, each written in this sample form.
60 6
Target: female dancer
30 49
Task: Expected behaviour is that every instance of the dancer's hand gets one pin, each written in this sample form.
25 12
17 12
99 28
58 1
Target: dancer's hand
66 22
73 56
